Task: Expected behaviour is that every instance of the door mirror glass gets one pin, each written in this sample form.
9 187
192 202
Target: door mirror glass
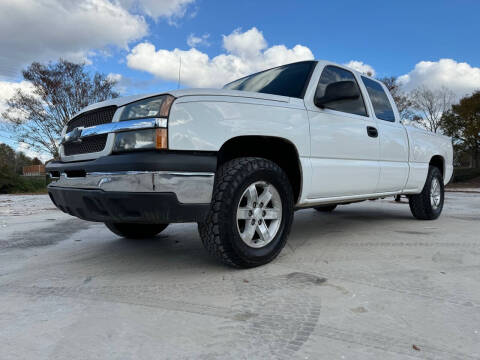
337 91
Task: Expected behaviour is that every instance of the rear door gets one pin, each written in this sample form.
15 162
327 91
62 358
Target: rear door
344 155
392 136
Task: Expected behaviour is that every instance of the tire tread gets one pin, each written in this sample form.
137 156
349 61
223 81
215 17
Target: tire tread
420 203
228 178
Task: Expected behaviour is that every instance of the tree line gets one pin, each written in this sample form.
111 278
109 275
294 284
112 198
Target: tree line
11 165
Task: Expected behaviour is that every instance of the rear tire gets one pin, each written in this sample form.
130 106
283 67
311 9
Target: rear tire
251 213
428 204
326 208
135 231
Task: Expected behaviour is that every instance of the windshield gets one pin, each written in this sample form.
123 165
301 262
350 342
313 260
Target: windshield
287 80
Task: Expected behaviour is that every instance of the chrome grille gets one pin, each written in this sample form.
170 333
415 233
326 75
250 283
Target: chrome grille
91 118
90 144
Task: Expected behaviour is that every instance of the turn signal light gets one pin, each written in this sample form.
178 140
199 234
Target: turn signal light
161 139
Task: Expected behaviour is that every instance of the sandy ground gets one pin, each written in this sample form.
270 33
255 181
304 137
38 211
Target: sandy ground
365 282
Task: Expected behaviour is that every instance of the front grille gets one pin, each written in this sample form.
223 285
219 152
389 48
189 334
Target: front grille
89 144
91 118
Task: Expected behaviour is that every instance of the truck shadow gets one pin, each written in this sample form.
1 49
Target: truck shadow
345 220
180 246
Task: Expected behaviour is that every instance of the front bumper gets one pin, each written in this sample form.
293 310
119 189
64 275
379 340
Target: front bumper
157 188
188 187
126 207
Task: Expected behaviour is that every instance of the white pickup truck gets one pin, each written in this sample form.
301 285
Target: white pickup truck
240 160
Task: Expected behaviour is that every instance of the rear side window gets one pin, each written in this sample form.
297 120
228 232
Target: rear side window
381 104
333 74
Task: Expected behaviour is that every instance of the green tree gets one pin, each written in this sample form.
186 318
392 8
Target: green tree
7 168
462 123
7 159
11 164
60 90
21 160
36 161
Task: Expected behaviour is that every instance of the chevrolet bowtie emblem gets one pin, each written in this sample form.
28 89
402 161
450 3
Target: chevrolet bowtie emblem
73 136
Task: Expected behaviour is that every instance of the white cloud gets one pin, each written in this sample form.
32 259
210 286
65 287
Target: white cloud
159 8
27 150
194 41
8 89
114 77
461 78
245 53
46 30
121 83
245 45
361 67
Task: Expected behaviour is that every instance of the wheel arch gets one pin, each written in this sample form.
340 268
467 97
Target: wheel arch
439 162
277 149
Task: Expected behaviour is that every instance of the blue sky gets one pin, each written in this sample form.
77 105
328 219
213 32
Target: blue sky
392 37
135 40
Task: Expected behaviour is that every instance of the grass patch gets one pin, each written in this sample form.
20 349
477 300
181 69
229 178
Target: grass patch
15 184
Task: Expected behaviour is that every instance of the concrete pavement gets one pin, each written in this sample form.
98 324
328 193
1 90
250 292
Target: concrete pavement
366 281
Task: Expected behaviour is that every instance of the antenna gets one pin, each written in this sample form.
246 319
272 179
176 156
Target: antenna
179 72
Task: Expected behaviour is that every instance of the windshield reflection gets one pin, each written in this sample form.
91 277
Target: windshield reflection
287 80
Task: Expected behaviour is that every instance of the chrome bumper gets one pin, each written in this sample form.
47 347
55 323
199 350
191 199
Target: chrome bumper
189 187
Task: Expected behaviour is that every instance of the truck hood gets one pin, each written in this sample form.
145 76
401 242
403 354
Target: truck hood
120 101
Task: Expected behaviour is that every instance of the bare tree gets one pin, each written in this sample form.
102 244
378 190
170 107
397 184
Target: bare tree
402 100
431 105
60 90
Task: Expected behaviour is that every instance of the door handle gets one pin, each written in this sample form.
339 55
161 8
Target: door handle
372 131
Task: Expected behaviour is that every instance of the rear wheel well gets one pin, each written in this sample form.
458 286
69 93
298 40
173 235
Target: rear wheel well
438 162
278 150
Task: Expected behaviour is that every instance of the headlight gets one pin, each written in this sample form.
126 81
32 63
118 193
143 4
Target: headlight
157 107
154 107
140 140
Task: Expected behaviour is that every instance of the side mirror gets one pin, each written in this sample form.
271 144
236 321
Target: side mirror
340 90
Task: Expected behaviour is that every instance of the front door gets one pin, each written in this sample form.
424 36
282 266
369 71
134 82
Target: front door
344 143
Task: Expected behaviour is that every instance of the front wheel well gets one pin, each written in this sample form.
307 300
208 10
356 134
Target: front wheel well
439 163
278 150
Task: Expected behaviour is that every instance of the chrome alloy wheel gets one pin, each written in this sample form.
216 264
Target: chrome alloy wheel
259 214
435 193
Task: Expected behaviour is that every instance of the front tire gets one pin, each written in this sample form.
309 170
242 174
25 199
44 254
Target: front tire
428 204
251 213
135 231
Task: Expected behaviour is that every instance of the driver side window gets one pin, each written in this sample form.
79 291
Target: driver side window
333 74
